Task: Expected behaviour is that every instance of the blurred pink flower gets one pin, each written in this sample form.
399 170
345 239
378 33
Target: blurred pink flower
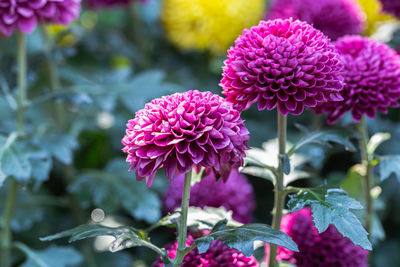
24 15
184 130
372 79
328 249
334 18
218 255
282 63
236 194
392 7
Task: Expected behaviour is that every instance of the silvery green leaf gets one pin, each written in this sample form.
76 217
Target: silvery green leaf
242 238
388 165
333 206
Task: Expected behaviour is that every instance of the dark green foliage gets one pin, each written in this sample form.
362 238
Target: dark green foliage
242 238
333 206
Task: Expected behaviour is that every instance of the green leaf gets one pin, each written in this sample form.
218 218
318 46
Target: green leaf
333 206
13 159
324 137
199 218
264 162
41 163
125 236
96 187
60 146
389 165
375 141
53 256
242 238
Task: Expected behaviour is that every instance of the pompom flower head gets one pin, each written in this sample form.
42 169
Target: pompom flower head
236 195
282 63
392 7
334 18
217 255
208 24
372 79
24 15
327 249
185 130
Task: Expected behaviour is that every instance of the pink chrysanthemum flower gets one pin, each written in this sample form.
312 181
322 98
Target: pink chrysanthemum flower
282 63
96 4
24 15
236 195
328 249
185 130
334 18
372 79
218 255
392 7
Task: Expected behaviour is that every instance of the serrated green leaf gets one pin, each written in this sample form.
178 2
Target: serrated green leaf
53 256
242 238
389 165
324 137
97 186
333 206
60 146
13 160
375 141
125 236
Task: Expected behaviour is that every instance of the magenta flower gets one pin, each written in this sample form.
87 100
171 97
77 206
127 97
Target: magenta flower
328 249
96 4
185 130
392 7
372 79
218 255
334 18
282 63
242 204
24 15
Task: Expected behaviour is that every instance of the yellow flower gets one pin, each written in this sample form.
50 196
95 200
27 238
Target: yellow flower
209 24
375 15
61 35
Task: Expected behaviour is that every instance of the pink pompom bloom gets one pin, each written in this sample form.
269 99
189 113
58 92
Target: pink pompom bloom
328 249
96 4
185 130
392 7
372 79
334 18
24 15
282 63
218 255
236 195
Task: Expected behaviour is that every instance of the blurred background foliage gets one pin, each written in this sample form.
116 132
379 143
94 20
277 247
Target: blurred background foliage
110 63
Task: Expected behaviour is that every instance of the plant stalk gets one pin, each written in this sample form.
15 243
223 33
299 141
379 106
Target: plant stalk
180 254
279 195
6 233
55 83
367 177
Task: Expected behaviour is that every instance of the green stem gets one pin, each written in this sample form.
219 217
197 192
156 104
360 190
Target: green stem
279 198
6 233
21 59
367 177
180 254
55 83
